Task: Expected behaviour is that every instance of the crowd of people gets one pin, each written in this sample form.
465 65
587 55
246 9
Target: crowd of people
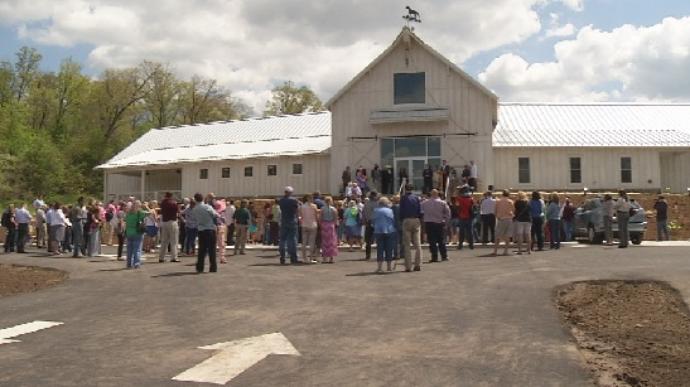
203 226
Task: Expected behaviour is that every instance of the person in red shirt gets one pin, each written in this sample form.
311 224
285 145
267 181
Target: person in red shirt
464 205
169 229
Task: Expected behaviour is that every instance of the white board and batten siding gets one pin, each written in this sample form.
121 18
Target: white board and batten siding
470 110
601 168
314 177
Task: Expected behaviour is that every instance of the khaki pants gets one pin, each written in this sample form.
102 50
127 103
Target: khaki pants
108 233
220 241
308 243
412 233
169 234
240 237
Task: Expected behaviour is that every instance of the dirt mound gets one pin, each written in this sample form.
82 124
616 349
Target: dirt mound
630 333
16 279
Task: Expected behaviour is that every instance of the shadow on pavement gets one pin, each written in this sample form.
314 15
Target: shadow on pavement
368 273
175 274
118 269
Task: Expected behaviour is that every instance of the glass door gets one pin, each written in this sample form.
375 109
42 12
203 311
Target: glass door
412 168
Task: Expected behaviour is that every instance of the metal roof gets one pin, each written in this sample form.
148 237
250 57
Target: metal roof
307 133
592 125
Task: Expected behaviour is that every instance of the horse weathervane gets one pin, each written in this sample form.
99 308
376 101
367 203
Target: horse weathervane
412 16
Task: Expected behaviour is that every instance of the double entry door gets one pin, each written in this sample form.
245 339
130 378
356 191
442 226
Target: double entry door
413 167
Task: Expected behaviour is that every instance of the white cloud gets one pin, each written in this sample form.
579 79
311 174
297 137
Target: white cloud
575 5
628 63
561 31
251 45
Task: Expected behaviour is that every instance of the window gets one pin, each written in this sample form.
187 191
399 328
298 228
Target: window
408 88
248 171
523 170
626 170
203 173
296 169
575 170
272 170
225 173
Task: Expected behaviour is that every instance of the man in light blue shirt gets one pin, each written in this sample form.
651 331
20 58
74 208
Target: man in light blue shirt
23 218
206 225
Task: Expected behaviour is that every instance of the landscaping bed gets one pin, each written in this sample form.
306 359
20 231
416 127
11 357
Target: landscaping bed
630 333
16 279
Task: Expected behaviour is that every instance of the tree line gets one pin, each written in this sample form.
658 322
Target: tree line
55 127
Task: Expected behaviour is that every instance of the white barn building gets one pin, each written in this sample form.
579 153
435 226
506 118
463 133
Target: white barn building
410 107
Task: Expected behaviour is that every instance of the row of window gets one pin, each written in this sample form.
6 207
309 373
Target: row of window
575 164
271 170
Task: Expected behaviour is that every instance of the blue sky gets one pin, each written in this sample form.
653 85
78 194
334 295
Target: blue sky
249 45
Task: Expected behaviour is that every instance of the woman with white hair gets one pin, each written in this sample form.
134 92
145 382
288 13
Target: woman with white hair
384 231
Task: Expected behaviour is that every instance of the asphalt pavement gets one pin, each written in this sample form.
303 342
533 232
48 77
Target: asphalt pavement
473 321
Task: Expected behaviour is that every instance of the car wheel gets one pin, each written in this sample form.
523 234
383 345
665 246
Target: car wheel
636 239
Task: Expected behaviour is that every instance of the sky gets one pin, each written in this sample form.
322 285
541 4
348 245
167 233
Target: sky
523 50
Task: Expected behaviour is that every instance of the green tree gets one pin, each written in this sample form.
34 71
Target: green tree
25 70
203 100
162 94
289 99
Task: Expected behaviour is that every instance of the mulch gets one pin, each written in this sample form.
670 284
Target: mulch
15 279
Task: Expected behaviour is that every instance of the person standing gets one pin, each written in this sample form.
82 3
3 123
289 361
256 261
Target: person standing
436 215
169 229
474 176
567 218
23 219
608 213
78 218
230 222
220 207
288 226
353 224
11 226
308 215
328 222
411 213
191 230
428 177
553 217
622 208
387 178
206 224
346 177
109 224
368 219
383 221
242 219
120 227
504 222
661 208
376 177
134 230
40 226
57 224
275 223
487 213
94 223
536 210
523 223
464 204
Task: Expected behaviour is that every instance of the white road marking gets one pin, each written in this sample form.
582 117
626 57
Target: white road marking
234 357
8 333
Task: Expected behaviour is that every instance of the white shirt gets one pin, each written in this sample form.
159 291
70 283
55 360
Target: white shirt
56 217
488 206
474 172
22 215
229 213
622 205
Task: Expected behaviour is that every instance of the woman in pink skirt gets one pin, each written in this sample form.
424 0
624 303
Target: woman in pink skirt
328 220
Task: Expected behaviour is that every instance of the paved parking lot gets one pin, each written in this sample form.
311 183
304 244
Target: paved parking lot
474 321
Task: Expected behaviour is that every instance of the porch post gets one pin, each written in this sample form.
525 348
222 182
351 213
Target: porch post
143 185
105 185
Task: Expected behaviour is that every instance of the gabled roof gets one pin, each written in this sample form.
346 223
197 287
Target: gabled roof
405 34
299 134
592 125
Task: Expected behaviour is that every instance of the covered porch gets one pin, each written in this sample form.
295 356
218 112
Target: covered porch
145 184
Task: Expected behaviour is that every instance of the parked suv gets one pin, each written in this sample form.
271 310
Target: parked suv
589 222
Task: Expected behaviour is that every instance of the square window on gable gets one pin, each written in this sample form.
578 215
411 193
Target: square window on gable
409 88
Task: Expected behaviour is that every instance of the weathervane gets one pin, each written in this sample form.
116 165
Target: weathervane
412 16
